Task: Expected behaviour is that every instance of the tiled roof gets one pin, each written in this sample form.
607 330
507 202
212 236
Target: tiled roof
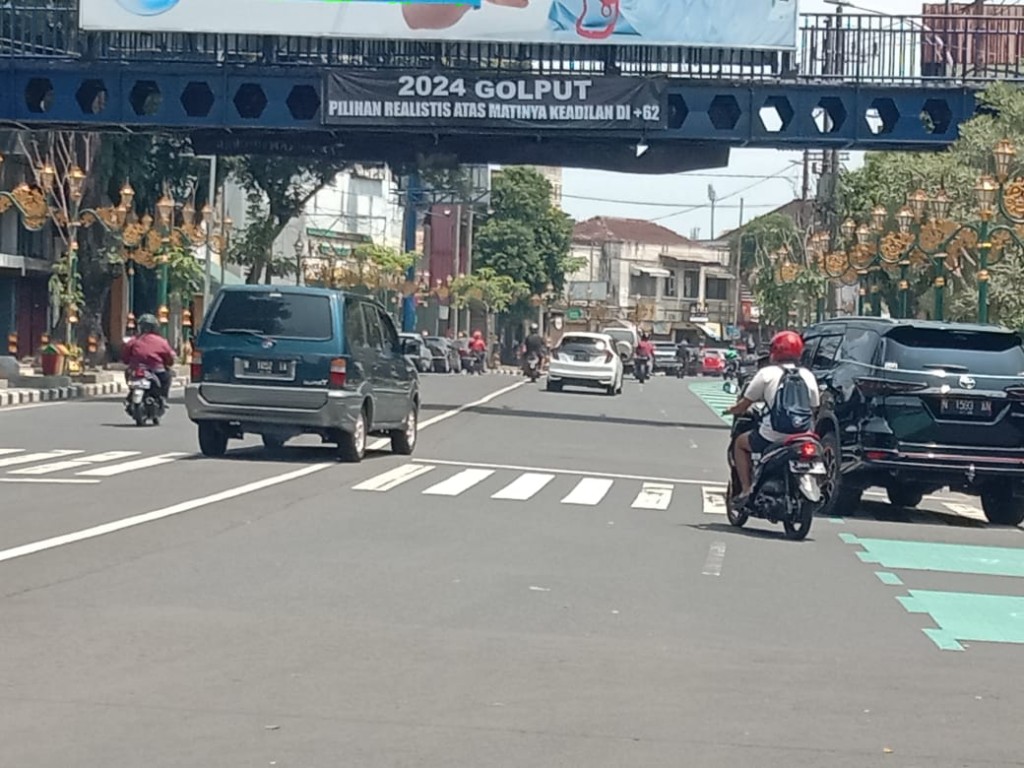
607 229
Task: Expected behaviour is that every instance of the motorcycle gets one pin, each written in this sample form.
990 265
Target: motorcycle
642 369
787 483
145 402
731 376
532 367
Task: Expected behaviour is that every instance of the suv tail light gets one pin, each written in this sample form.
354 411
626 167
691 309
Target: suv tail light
1015 393
609 356
339 368
197 366
872 387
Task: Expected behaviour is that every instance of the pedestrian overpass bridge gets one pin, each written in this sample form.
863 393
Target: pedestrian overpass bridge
869 82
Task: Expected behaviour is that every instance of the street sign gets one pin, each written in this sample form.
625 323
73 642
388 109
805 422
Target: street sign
572 314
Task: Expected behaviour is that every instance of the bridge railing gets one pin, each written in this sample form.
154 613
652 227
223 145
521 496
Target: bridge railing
935 48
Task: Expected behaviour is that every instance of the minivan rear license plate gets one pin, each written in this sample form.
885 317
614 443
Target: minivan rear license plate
965 407
266 367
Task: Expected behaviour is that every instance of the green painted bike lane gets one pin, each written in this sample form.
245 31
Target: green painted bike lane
959 616
714 397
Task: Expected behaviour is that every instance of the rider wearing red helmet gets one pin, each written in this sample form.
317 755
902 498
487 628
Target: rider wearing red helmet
786 349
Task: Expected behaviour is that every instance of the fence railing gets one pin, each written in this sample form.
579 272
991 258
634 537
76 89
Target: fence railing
934 48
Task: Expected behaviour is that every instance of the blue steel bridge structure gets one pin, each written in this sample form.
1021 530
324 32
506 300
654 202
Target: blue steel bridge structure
854 82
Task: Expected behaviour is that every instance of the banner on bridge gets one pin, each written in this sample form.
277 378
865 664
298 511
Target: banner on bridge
745 24
456 100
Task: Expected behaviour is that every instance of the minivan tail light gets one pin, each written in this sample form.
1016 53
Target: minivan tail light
197 366
339 369
872 387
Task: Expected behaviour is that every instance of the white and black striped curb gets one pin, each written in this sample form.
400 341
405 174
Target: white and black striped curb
10 397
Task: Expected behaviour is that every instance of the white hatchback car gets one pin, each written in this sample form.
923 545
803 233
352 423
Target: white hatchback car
586 360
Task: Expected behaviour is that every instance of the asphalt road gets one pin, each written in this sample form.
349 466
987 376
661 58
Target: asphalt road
549 581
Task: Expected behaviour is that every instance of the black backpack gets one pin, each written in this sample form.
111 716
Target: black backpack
791 413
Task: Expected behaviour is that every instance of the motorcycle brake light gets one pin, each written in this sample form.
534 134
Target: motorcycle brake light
808 450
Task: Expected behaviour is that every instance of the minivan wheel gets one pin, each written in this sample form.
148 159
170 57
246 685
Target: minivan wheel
1002 507
403 441
213 441
352 446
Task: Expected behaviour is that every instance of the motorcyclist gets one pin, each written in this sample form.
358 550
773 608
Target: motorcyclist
478 346
534 345
785 350
749 362
150 350
644 351
732 363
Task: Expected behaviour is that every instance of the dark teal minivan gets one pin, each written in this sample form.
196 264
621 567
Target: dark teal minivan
286 361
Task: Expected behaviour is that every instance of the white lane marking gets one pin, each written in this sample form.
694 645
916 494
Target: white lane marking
84 461
148 517
572 472
524 487
654 496
30 458
132 466
965 510
589 491
714 499
9 451
716 557
47 481
459 483
384 442
393 478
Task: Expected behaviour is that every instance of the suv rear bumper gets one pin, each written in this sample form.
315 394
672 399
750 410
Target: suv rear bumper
937 463
338 412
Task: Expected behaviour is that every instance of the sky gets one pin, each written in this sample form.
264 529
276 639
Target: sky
763 179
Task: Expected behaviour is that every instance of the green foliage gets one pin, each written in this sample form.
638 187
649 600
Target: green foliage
185 274
525 238
493 291
385 261
888 177
277 189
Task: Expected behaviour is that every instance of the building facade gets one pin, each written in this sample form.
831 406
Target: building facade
642 272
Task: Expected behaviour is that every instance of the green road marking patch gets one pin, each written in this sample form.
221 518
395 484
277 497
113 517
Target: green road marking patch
967 617
889 578
837 521
714 397
849 538
947 558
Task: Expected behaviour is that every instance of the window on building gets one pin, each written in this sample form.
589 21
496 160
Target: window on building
691 284
717 289
670 285
642 285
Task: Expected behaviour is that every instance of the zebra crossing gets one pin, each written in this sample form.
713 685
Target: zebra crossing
20 465
582 489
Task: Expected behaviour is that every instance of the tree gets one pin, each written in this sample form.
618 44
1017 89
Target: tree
886 178
766 244
277 190
526 238
487 289
377 269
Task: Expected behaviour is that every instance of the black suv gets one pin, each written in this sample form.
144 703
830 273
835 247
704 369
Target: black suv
915 406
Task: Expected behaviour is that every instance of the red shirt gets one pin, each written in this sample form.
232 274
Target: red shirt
645 349
150 350
478 345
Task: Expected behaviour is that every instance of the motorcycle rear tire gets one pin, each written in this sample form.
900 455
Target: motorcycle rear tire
797 530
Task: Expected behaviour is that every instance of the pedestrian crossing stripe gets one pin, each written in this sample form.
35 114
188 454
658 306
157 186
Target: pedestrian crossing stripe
714 397
587 490
24 466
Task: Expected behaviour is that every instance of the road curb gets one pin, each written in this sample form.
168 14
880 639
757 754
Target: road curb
15 397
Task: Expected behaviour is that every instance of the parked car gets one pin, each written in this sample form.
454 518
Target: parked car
445 355
585 360
914 406
712 362
626 338
665 358
285 361
418 352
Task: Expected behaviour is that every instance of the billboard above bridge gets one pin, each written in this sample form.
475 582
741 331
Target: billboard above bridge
746 24
465 100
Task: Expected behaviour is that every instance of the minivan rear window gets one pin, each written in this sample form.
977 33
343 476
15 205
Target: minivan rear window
979 352
281 315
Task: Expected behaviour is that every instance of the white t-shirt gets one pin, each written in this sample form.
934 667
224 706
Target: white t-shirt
765 385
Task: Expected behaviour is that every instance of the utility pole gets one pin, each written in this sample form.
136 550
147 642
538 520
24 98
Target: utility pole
712 198
453 310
